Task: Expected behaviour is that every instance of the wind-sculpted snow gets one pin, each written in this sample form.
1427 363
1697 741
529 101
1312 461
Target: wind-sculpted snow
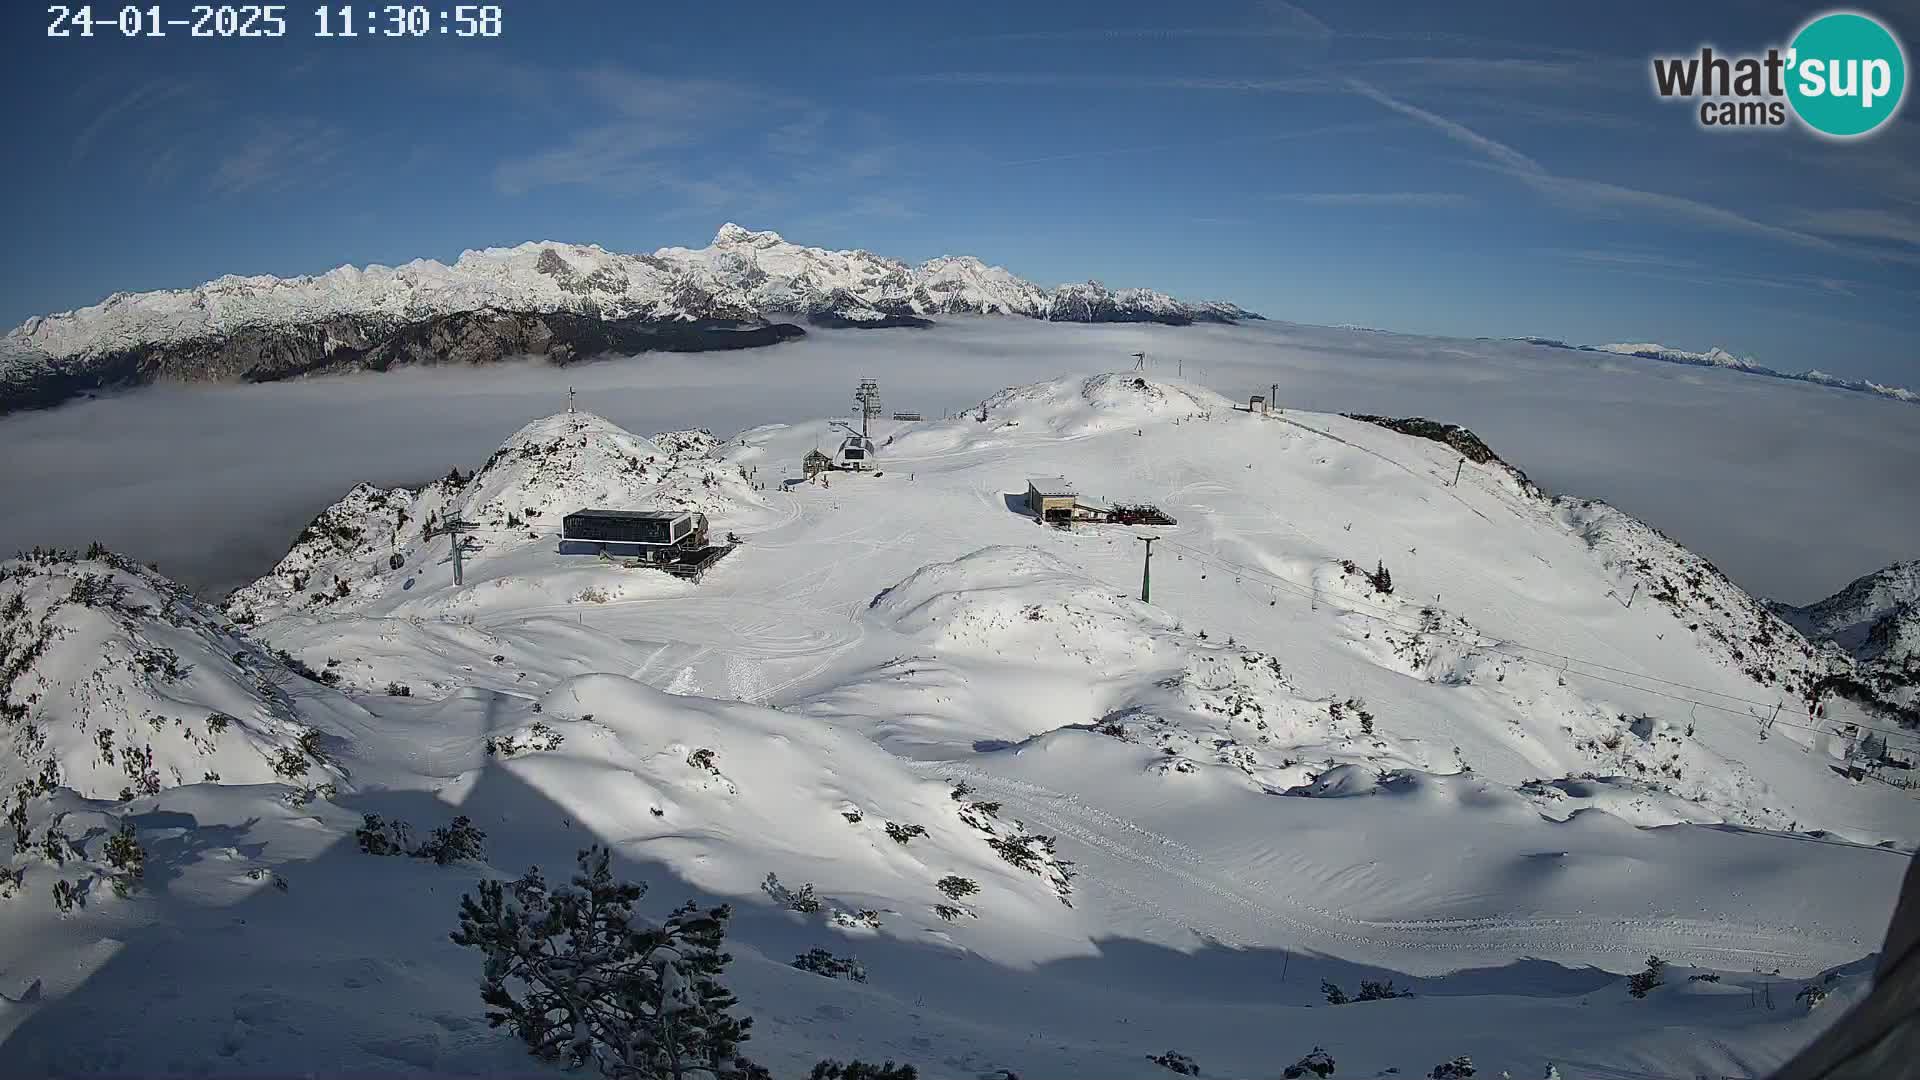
1376 724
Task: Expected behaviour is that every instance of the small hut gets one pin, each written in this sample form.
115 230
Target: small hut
1051 498
815 463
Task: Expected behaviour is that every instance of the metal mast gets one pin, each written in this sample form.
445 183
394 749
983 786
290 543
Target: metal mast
868 395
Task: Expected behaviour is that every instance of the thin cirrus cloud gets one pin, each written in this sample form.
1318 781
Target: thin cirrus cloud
1231 140
1438 200
1583 194
1094 34
148 95
273 158
1299 85
1881 225
1667 267
647 134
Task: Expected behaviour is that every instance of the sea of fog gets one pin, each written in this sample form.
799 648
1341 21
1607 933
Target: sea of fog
1792 489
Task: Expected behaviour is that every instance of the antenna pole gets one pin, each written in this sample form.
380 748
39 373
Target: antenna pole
1146 570
569 400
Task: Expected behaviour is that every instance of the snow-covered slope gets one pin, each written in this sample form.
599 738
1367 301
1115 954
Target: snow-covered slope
565 301
1876 620
1374 724
114 680
368 550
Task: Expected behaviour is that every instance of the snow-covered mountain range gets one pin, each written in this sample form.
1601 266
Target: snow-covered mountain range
1721 358
561 301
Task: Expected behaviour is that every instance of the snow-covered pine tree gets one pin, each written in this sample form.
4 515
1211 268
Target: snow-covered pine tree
576 976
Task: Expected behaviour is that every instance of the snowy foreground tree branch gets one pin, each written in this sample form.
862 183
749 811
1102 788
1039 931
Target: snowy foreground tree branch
572 972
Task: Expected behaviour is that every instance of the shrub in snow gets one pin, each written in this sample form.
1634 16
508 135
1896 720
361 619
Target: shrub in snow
1813 994
261 873
853 815
55 846
1176 1061
1379 578
298 666
900 834
1335 995
829 1069
856 920
454 841
290 763
301 796
703 758
399 689
1458 1069
1319 1063
67 896
574 974
12 880
1552 1073
1639 983
377 836
950 912
980 815
1705 977
1019 850
218 722
1371 990
539 737
822 962
956 886
128 859
804 901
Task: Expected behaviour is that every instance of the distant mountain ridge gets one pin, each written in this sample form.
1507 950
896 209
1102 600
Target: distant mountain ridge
1721 358
562 301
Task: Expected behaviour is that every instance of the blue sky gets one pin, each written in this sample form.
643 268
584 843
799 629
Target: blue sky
1499 169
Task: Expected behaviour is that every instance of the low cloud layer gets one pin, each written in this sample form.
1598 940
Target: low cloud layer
1792 489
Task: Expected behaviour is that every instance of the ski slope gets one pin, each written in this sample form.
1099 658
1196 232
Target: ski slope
1502 785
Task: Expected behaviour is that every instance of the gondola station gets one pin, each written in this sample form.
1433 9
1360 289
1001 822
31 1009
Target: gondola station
671 540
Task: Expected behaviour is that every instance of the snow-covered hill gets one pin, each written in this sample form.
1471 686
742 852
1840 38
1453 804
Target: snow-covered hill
114 680
563 301
1874 616
1876 620
1375 724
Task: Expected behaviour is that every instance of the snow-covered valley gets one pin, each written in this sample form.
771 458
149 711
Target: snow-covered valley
1390 715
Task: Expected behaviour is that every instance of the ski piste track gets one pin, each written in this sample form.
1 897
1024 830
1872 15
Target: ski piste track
1113 837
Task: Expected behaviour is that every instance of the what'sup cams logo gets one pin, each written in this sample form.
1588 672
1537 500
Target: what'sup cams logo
1844 75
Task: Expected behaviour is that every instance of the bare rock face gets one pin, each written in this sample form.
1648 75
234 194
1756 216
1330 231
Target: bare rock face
343 343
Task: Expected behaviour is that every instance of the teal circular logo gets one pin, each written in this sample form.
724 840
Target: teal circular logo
1846 74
